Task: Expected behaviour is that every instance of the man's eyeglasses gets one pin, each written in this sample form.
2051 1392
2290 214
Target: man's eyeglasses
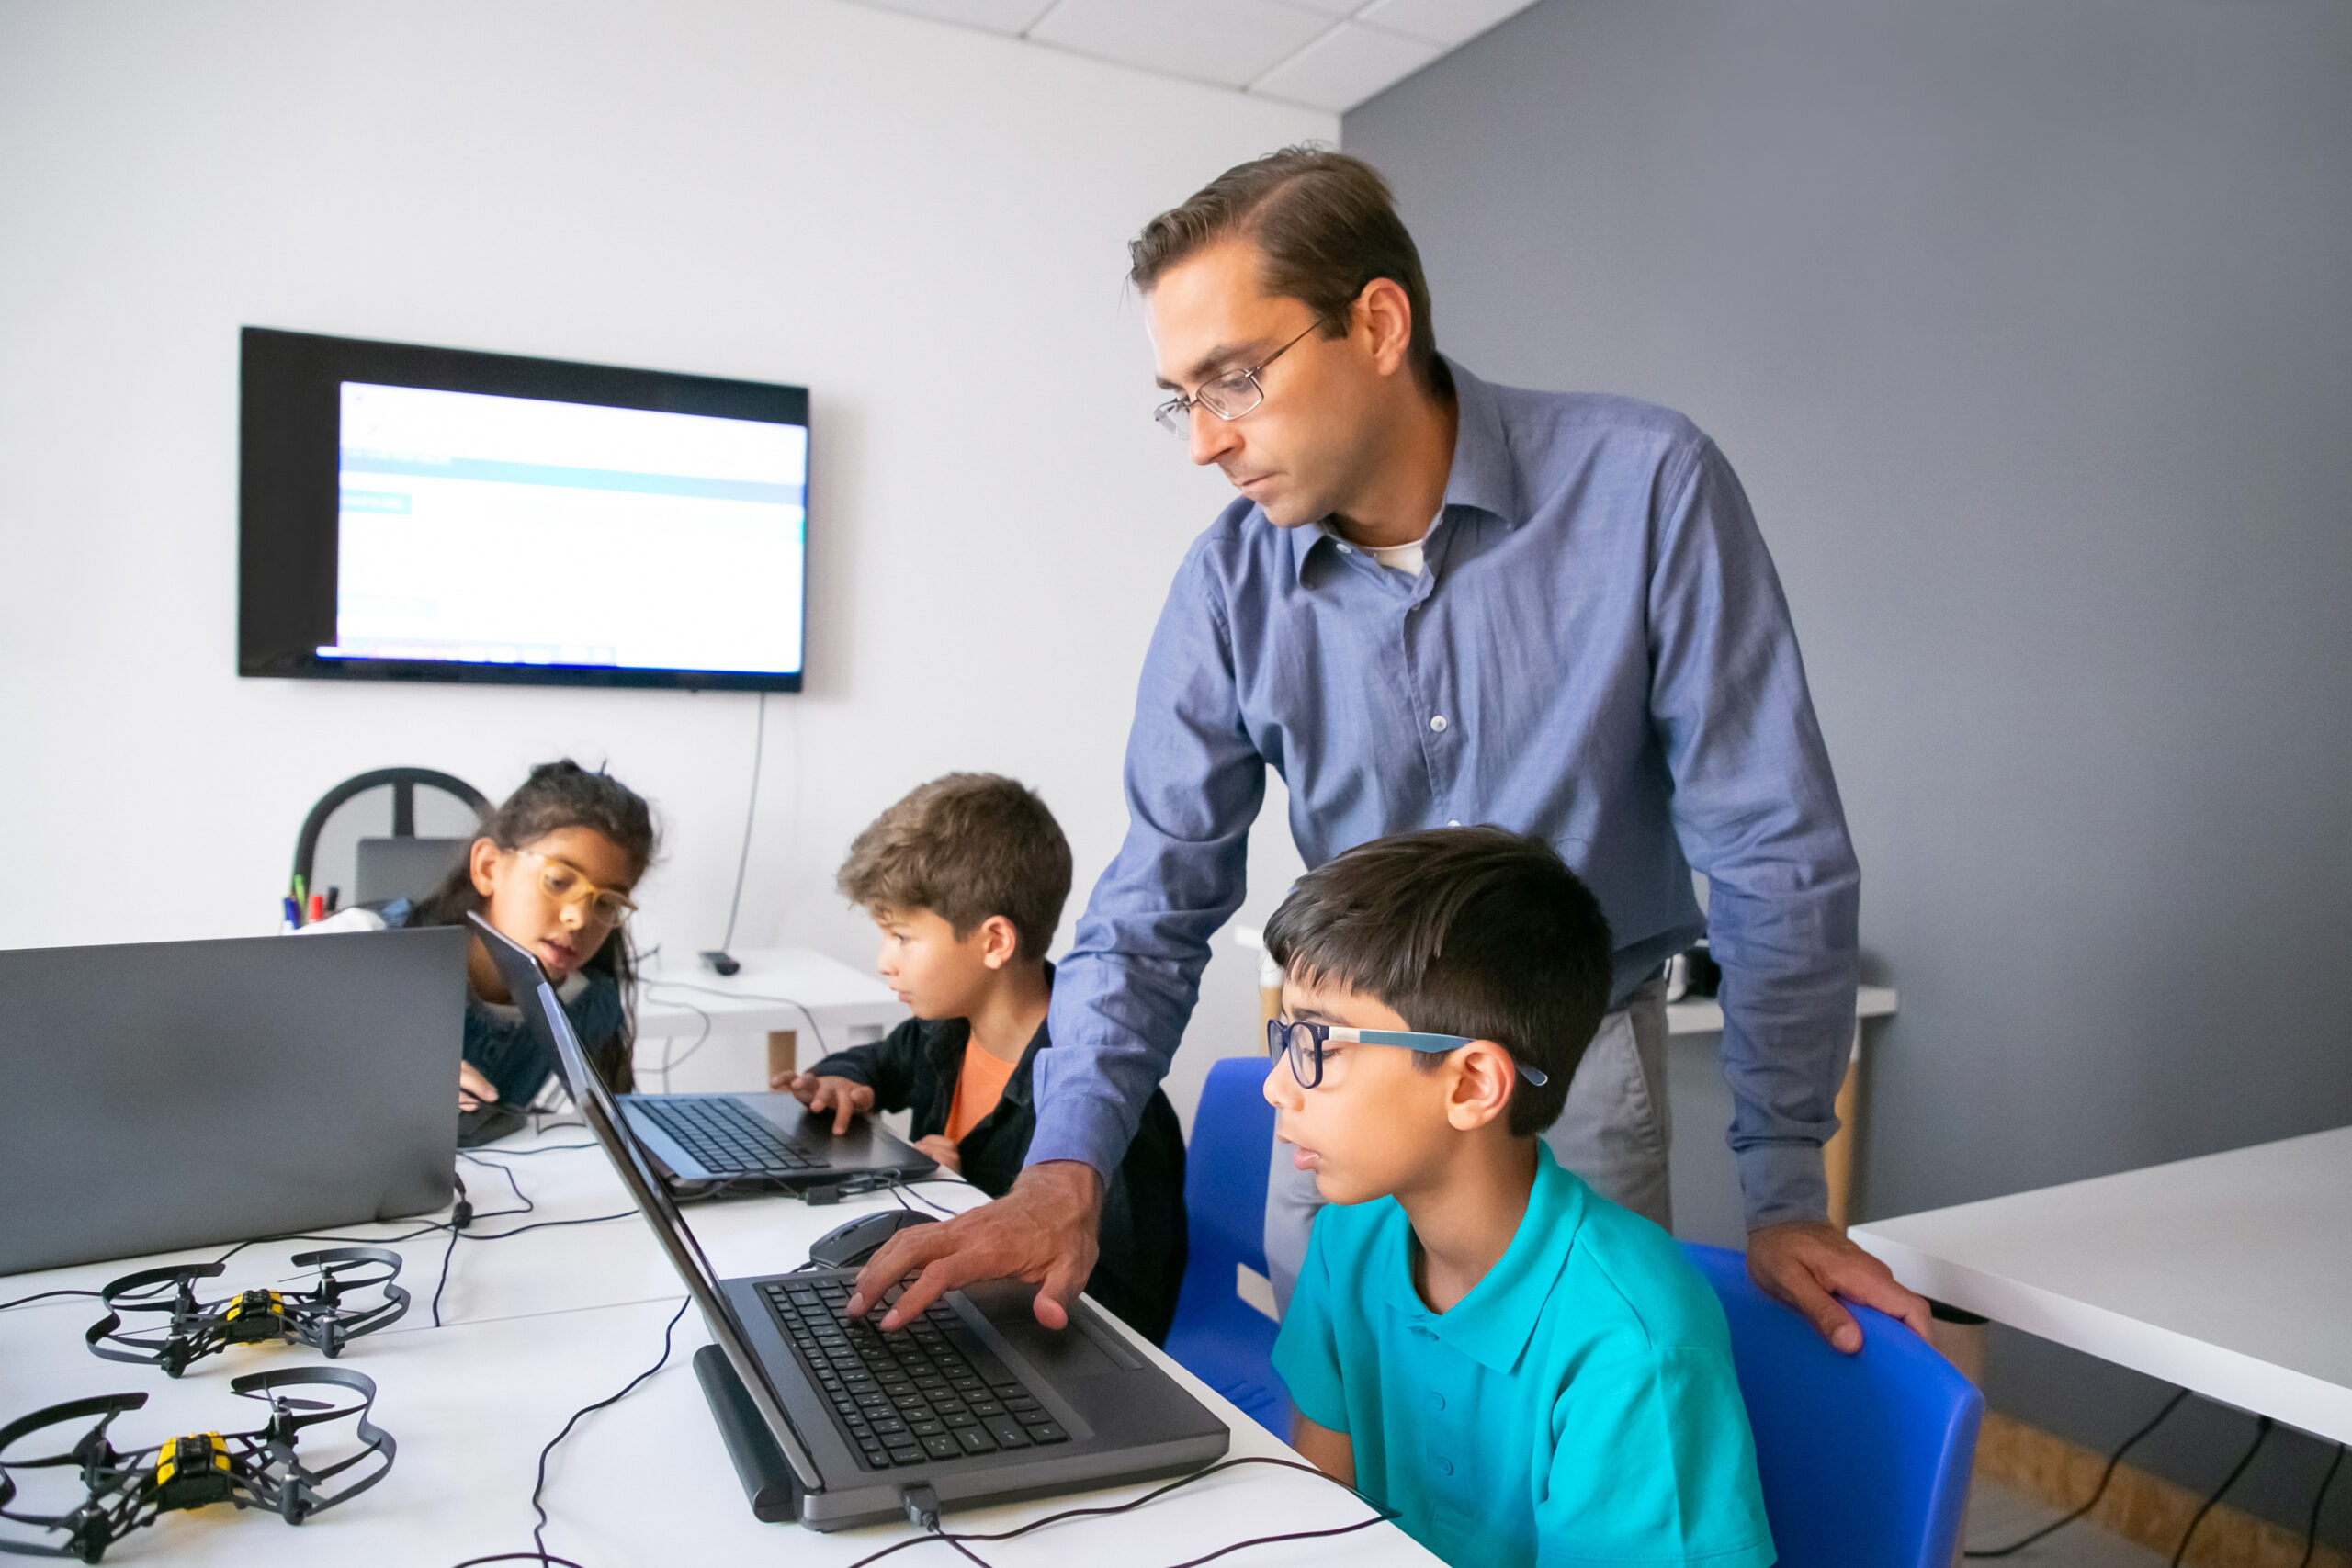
1304 1044
562 882
1229 395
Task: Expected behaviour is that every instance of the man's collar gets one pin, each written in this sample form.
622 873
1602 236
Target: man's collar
1493 1324
1483 475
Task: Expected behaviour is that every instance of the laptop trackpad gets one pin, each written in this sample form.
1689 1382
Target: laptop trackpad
1077 1351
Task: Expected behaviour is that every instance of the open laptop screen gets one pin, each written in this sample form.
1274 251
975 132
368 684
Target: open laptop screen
527 983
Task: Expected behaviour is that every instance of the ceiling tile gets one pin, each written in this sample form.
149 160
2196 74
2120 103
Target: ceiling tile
998 16
1345 66
1448 22
1225 41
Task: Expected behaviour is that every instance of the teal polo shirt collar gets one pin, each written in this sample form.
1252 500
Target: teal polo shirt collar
1484 475
1493 1324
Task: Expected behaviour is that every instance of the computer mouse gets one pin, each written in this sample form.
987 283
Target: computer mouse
487 1122
847 1245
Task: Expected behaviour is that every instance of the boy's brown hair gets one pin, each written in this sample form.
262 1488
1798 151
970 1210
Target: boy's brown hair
1325 225
966 847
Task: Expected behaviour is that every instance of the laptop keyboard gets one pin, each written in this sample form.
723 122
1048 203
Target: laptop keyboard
928 1391
725 1136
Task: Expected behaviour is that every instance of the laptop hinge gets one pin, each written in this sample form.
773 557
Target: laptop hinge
768 1482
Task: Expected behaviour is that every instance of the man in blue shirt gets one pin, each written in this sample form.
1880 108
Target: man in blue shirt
1439 602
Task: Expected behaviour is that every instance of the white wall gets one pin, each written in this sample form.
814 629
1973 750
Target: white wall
923 224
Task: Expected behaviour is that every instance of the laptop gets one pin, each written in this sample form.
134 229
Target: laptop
758 1141
180 1094
834 1422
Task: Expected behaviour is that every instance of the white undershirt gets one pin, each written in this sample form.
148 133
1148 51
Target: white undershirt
1405 558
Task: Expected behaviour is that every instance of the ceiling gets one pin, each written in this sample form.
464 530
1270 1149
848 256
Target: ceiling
1324 55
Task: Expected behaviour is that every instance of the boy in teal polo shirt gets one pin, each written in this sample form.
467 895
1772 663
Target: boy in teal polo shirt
1524 1371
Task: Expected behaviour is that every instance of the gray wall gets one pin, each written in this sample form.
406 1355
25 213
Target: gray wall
2028 323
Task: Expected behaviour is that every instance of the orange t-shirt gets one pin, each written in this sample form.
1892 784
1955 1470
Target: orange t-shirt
978 1088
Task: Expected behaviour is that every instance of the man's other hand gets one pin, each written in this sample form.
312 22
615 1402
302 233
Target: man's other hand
1810 1264
1042 1231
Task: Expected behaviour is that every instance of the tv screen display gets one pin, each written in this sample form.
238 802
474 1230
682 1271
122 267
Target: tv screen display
428 514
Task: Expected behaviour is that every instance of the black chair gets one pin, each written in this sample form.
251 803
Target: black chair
403 866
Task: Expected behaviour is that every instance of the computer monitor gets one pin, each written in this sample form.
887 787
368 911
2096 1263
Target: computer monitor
439 514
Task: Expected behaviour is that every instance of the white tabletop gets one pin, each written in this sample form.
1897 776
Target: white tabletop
546 1322
2229 1275
1704 1015
778 988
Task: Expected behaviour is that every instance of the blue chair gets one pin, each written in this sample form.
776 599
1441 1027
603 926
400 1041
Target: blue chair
1864 1458
1224 1341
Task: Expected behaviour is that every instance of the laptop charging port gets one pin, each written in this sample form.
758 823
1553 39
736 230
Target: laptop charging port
922 1506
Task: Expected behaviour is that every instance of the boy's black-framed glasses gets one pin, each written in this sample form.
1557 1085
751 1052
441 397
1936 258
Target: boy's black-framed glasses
1228 396
1303 1044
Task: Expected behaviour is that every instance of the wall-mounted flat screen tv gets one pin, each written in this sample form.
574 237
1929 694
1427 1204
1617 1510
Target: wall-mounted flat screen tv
435 514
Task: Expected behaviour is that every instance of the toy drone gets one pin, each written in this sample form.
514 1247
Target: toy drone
316 1317
127 1490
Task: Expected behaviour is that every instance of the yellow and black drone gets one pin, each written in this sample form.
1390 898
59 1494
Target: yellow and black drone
124 1490
320 1318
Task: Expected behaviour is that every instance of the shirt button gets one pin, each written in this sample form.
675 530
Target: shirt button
1437 1400
1445 1465
1347 549
1437 722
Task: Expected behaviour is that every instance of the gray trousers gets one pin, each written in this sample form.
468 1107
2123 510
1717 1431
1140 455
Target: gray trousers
1614 1132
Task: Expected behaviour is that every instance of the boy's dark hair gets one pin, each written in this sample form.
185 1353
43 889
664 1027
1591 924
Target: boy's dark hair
558 795
1464 930
966 847
1326 225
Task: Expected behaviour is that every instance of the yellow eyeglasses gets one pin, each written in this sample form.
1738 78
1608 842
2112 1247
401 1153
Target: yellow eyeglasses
562 881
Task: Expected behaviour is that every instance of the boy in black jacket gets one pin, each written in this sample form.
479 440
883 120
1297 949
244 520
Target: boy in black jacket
967 877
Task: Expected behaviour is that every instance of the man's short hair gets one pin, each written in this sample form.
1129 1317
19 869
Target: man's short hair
966 847
1326 225
1463 931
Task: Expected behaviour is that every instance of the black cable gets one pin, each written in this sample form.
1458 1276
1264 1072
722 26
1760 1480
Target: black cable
751 812
507 1172
538 1532
461 1214
2261 1435
2097 1492
1381 1515
558 1225
900 1189
2311 1531
42 1296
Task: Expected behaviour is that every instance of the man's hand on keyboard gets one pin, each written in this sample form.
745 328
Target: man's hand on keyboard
1042 1231
843 1097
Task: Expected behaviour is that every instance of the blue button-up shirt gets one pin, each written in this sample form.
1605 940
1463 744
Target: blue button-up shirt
1596 651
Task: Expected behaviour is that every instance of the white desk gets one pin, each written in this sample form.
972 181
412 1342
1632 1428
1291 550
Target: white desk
543 1324
723 1019
2227 1274
1704 1015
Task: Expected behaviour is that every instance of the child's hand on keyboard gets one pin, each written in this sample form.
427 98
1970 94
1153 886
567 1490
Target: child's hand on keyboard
843 1097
